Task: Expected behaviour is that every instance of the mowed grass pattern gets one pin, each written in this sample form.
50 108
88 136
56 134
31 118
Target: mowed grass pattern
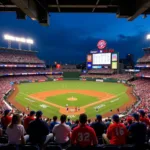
26 89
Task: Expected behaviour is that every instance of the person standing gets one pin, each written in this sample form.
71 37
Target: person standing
116 132
83 135
28 119
98 126
6 119
53 123
16 131
138 130
61 132
38 130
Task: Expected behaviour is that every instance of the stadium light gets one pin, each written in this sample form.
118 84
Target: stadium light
20 40
148 37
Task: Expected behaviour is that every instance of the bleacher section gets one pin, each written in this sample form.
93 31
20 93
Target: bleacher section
19 66
101 71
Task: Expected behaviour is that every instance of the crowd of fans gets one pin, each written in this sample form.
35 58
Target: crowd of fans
4 71
144 59
143 73
114 76
19 58
5 85
83 133
141 89
101 71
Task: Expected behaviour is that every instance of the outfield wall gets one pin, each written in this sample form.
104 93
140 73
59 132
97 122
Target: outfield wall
71 75
104 80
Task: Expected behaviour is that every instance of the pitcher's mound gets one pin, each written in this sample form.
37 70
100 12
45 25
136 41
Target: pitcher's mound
72 99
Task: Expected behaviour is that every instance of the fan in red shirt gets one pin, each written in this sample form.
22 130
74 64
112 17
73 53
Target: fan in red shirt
143 117
117 132
6 119
83 135
30 118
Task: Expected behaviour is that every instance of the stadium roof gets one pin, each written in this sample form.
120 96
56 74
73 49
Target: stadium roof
39 9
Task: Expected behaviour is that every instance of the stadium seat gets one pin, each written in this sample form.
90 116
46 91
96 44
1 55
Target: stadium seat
111 147
28 147
87 148
8 147
53 147
3 140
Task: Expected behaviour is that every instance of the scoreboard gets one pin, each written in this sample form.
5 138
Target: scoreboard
102 60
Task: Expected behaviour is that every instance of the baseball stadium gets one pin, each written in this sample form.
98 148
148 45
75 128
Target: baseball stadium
102 103
68 90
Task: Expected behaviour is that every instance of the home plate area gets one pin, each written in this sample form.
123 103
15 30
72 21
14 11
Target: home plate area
72 110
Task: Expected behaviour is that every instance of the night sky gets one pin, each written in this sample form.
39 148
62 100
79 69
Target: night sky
71 36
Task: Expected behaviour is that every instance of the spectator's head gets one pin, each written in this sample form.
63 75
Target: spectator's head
63 118
77 122
89 121
136 117
83 118
115 118
7 112
68 119
16 119
32 113
99 118
39 114
142 112
55 118
129 120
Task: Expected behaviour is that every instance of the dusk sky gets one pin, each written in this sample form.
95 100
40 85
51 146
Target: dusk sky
71 36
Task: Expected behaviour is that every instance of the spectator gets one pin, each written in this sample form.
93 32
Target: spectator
62 132
6 119
68 123
108 122
98 126
137 130
143 117
89 122
48 121
38 130
83 135
30 118
129 122
16 131
116 132
52 124
1 132
75 125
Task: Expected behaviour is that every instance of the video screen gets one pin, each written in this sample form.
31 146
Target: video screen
89 58
114 57
102 59
114 65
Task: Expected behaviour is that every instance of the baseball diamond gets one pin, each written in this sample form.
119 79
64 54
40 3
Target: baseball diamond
52 97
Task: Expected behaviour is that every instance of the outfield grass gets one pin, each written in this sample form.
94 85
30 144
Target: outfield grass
113 88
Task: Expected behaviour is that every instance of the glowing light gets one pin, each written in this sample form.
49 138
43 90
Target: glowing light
148 36
18 39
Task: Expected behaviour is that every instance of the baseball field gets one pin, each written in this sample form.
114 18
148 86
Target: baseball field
72 98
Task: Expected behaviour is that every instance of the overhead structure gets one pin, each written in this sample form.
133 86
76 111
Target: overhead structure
39 9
